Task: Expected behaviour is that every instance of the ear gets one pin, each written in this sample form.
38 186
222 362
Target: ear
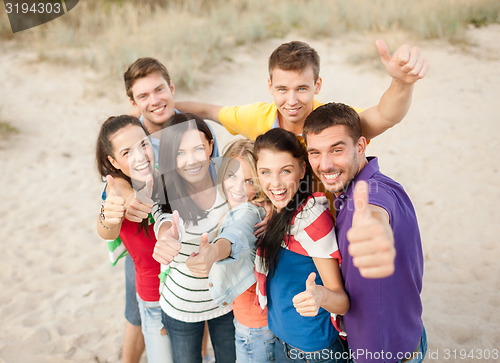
172 87
317 86
114 163
211 146
132 102
270 85
302 169
361 145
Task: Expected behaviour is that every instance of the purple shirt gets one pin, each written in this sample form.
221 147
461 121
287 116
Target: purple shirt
385 314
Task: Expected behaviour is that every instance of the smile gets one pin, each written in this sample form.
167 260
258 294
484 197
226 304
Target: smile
238 196
142 167
331 177
159 109
193 171
278 194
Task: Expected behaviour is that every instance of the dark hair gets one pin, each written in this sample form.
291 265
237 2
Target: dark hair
141 68
104 148
295 56
281 140
176 196
333 114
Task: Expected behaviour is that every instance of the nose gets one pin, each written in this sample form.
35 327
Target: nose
326 162
292 98
154 98
275 180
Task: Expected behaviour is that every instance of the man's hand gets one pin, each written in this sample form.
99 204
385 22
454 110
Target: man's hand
307 303
200 263
140 206
168 245
371 239
114 205
406 64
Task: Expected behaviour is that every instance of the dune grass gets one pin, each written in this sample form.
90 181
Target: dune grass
191 36
6 129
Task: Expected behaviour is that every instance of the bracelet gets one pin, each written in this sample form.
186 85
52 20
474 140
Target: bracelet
102 217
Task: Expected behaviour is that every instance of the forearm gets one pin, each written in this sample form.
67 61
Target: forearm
220 249
203 110
334 301
391 109
106 232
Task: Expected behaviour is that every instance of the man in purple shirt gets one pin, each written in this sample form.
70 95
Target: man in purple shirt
378 238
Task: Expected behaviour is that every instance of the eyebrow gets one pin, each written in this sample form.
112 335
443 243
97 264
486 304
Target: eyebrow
194 147
309 149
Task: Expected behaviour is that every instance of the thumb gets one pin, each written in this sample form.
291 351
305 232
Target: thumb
204 241
175 225
311 280
382 50
144 195
113 188
360 198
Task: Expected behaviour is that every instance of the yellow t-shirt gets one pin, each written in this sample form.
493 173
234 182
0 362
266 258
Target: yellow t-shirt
251 120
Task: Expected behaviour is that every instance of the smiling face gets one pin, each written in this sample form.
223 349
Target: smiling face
239 184
279 175
154 98
193 156
335 157
293 92
133 153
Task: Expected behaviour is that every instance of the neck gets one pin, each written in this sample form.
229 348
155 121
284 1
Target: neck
200 186
151 127
294 127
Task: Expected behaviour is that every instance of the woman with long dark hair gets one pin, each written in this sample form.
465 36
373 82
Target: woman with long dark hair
297 266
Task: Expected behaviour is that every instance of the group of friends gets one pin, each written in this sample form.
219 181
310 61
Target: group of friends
289 244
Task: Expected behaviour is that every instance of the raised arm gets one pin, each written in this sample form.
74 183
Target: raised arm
204 110
405 66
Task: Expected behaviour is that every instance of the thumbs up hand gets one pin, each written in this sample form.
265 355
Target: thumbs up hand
200 263
167 246
113 209
406 64
371 239
141 204
307 303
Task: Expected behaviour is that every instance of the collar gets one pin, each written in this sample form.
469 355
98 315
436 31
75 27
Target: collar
366 173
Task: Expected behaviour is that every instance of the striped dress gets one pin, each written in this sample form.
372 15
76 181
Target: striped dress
183 296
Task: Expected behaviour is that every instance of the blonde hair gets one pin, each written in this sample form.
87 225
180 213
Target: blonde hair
242 149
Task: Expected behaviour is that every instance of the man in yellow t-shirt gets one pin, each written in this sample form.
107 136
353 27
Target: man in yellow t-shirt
294 81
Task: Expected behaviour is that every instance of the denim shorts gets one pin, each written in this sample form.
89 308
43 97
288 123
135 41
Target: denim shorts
131 306
254 345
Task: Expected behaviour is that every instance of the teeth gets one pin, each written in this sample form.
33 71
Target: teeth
331 176
142 166
278 192
193 170
237 196
159 109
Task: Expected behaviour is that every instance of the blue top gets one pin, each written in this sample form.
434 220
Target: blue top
385 314
309 334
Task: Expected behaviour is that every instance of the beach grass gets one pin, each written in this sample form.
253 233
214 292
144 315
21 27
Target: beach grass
6 129
191 36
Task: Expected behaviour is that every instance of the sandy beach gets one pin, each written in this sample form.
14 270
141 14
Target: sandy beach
61 301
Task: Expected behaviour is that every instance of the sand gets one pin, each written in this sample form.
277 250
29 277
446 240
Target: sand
60 301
